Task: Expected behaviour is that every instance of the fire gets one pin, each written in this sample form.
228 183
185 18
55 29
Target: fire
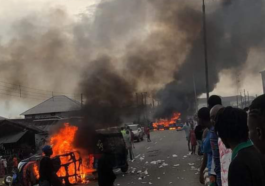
36 171
71 167
163 124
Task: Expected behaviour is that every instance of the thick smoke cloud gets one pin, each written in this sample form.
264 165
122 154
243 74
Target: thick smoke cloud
143 45
233 30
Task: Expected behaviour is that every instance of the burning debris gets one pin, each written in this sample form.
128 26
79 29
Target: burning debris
75 164
167 124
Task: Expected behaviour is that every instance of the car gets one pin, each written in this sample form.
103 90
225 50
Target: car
179 127
137 131
172 126
112 139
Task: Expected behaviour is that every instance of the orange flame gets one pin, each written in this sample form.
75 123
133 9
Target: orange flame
36 171
166 122
62 144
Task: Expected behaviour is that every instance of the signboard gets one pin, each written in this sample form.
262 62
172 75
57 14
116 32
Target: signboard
263 81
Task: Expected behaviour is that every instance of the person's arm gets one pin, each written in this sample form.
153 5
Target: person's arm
216 156
238 174
203 166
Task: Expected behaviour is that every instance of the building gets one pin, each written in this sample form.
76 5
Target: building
15 137
263 80
55 107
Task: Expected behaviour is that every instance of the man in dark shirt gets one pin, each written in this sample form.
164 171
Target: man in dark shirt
247 167
48 175
198 132
256 123
106 176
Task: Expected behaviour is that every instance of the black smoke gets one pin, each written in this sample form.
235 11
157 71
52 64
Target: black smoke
233 30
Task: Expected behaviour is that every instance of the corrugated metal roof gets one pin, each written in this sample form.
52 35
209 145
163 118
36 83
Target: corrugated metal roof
12 138
54 105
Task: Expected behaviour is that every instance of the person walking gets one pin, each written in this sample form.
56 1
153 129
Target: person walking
248 165
48 176
186 128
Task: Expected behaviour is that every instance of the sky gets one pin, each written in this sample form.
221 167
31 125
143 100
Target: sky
13 10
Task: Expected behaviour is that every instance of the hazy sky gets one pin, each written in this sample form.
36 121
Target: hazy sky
13 10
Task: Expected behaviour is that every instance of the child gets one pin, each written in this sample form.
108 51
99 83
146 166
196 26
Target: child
193 140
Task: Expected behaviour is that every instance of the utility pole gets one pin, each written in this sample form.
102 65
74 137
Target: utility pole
248 99
81 101
195 93
241 99
205 49
245 99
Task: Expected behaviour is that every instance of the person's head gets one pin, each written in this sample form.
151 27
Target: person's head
47 150
256 123
214 100
122 128
214 112
204 117
231 126
246 109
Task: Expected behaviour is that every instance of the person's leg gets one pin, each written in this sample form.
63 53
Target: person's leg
189 144
131 153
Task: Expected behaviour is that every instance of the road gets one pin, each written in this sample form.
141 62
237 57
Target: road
164 161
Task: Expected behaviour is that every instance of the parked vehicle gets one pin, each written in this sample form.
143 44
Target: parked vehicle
138 132
179 127
112 139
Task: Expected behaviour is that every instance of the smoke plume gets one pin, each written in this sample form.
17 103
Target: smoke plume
131 46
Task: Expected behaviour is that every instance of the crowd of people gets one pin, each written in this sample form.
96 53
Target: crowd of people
231 142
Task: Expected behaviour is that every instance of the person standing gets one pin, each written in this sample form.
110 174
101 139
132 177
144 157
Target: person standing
204 121
186 128
15 162
47 171
248 165
128 142
214 144
214 100
5 166
147 132
193 140
198 133
256 123
106 176
123 131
